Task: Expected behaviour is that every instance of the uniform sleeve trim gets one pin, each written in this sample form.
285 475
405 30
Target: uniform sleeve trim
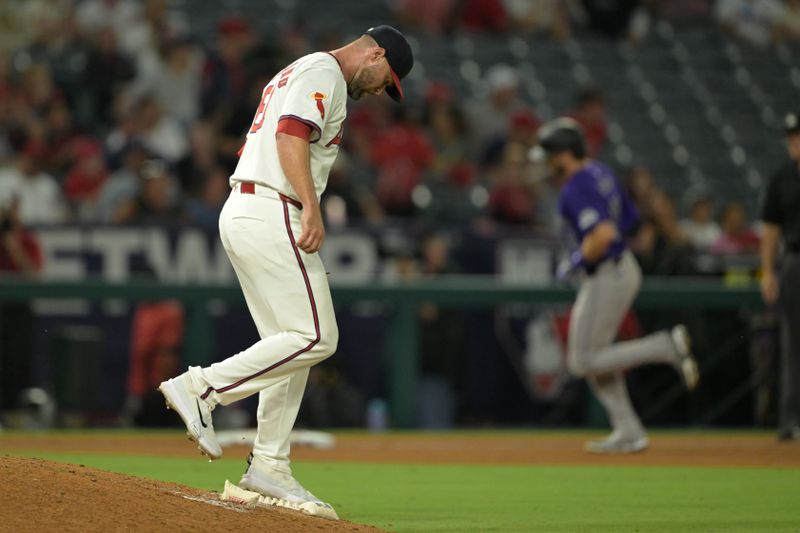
299 124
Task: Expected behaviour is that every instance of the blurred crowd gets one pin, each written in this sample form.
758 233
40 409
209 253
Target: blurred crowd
758 22
118 112
114 111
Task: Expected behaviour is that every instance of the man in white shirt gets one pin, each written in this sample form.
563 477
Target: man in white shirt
271 227
700 227
39 196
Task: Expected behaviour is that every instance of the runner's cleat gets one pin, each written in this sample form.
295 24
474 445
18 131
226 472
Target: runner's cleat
616 444
686 363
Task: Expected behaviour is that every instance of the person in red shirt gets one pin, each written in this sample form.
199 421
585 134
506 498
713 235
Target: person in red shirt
401 153
486 15
88 172
155 355
20 255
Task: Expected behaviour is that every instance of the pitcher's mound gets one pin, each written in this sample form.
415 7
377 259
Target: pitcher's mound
43 495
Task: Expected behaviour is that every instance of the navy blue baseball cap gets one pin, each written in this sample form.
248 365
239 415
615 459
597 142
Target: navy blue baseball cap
398 55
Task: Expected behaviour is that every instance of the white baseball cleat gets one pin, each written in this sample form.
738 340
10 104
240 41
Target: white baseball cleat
194 412
281 486
618 444
686 363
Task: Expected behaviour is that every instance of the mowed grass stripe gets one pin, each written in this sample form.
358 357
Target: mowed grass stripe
523 498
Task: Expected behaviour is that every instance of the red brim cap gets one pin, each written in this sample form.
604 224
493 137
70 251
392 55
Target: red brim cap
395 91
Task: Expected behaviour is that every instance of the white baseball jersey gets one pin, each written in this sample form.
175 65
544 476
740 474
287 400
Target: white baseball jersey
286 289
311 92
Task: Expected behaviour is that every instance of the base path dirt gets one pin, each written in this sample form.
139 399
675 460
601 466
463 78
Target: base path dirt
674 449
42 495
532 449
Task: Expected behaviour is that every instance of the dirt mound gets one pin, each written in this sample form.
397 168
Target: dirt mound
43 495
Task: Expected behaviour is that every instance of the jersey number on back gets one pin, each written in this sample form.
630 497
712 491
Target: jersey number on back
261 112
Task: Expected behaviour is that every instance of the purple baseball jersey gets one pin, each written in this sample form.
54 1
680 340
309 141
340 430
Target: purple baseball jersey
594 195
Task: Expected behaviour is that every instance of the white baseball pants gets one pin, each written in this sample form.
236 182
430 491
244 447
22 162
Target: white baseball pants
289 299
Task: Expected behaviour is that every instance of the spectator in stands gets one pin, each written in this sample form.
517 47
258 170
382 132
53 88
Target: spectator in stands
522 128
38 90
737 237
60 134
201 159
204 208
160 133
700 227
431 16
484 15
550 17
139 27
20 255
489 118
40 198
755 22
86 177
155 25
401 154
590 113
122 186
641 186
98 91
512 200
175 80
121 15
660 245
449 134
158 203
294 41
224 75
367 119
348 197
56 46
232 121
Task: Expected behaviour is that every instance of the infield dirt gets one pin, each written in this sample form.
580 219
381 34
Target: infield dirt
748 450
43 495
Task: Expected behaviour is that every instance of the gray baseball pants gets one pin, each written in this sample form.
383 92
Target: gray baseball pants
603 300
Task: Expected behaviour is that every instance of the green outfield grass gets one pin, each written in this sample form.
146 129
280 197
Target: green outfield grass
517 498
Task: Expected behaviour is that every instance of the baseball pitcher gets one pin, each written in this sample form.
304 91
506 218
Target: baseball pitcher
271 228
597 213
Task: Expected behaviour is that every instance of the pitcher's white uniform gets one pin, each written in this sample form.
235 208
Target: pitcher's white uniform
286 289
